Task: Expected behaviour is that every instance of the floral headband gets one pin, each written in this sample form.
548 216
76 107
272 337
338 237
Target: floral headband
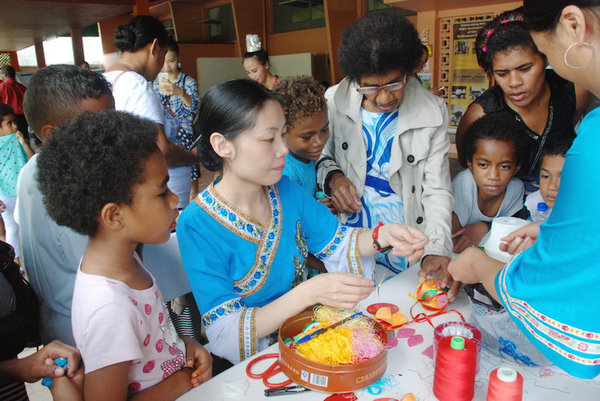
490 32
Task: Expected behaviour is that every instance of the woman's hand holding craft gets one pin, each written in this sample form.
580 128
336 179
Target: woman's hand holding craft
468 236
405 240
341 290
520 239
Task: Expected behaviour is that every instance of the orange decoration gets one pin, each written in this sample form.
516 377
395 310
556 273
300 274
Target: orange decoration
408 397
398 319
384 313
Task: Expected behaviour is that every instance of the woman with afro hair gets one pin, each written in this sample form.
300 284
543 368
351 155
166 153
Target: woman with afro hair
386 159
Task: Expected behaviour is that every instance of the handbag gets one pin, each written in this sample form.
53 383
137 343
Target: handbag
20 328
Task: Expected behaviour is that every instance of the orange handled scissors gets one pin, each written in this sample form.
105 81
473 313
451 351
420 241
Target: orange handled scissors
268 373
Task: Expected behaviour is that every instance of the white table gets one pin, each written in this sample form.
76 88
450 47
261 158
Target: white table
416 369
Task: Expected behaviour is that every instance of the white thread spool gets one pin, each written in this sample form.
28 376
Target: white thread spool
501 227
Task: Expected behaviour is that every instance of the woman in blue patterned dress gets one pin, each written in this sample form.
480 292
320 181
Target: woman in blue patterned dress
179 95
245 239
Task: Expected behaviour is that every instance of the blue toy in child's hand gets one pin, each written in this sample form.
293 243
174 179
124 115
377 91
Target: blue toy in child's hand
320 195
61 362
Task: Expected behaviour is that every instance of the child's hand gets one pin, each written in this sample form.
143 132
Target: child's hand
68 389
199 359
405 240
327 202
468 236
21 138
42 363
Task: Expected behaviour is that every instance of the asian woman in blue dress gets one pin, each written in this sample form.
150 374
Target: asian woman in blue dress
245 238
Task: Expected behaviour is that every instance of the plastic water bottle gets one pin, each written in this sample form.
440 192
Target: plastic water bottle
542 212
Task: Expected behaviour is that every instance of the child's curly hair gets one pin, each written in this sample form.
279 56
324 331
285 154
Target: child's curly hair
301 97
499 126
92 160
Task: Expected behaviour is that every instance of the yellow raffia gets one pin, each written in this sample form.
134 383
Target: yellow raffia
347 344
334 347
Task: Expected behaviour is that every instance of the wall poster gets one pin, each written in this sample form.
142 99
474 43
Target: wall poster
468 79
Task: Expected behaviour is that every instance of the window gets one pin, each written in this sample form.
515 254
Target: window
221 26
92 50
4 59
26 57
168 24
374 5
294 15
59 51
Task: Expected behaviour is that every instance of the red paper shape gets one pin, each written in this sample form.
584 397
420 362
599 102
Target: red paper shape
428 352
373 308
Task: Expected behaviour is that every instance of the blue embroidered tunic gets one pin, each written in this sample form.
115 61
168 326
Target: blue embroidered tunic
235 264
545 287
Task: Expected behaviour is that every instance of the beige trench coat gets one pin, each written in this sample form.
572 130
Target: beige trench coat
419 169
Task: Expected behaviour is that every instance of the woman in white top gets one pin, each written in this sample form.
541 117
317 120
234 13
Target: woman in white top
143 43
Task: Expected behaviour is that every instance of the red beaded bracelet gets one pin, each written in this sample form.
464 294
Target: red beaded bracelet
376 244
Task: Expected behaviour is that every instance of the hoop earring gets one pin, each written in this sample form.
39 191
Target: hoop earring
571 46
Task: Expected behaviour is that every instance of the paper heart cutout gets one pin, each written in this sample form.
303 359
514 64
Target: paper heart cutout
405 333
415 340
392 343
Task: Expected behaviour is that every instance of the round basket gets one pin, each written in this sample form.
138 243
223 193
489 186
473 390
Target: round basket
322 377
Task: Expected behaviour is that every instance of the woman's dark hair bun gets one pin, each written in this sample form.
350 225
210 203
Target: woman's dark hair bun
138 32
124 38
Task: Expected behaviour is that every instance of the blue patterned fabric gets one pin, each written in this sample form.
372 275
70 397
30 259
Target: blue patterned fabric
379 201
185 114
12 160
545 287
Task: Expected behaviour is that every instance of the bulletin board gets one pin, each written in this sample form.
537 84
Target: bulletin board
460 74
468 79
